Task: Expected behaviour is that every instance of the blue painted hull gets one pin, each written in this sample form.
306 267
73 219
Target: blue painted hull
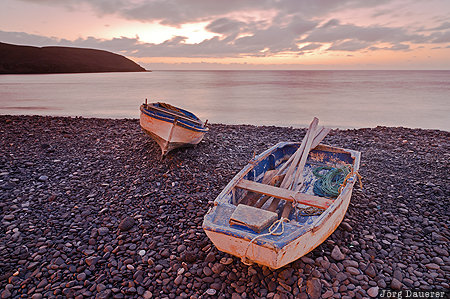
171 127
302 233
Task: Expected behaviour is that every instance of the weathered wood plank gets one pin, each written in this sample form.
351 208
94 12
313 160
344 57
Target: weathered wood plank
320 134
306 142
288 195
289 178
251 217
276 181
297 177
251 198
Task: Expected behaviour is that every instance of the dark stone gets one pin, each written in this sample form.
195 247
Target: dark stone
345 226
211 257
6 294
126 224
336 254
106 169
370 271
207 271
440 251
314 288
396 284
189 257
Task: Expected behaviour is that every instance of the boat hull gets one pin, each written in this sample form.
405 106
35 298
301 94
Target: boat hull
273 251
169 131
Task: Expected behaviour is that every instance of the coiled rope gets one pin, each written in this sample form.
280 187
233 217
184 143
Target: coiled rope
331 183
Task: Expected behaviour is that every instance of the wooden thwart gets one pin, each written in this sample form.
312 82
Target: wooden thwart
271 178
288 195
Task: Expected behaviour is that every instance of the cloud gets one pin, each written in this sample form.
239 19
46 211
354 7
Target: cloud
349 45
349 37
380 13
310 47
275 39
174 12
263 42
244 27
400 47
317 8
397 47
225 26
26 39
440 37
443 26
177 12
330 23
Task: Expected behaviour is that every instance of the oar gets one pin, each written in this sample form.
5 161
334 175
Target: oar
298 181
297 155
317 139
298 173
298 177
311 130
288 205
286 165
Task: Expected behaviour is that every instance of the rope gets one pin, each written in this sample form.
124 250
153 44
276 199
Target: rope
330 183
309 211
333 181
272 231
348 177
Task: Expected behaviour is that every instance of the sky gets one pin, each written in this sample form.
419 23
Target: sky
242 34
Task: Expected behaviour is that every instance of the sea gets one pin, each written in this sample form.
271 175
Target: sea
340 99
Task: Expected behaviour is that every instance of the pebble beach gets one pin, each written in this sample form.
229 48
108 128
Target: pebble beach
88 210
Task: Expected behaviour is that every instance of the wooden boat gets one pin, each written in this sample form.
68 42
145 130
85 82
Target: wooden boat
259 222
171 127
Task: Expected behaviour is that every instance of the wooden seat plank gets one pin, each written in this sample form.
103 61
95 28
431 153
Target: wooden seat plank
288 195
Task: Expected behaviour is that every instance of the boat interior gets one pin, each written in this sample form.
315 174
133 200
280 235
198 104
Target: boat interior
259 186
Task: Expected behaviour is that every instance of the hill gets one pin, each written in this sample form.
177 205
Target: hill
15 59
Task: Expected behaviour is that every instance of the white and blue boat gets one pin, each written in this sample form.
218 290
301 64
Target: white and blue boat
171 127
274 226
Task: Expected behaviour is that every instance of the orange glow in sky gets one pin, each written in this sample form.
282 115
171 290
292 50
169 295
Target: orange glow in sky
344 34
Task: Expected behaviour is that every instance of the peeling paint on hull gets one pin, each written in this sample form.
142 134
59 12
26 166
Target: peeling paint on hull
299 238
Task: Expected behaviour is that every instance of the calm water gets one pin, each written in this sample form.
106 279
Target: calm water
343 99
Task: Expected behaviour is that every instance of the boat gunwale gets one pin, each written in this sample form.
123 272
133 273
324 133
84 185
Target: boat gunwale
258 158
184 122
314 226
174 113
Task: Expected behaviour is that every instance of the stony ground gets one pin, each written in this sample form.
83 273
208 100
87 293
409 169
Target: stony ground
88 210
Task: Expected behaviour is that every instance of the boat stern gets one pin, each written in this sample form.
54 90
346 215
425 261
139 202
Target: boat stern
238 242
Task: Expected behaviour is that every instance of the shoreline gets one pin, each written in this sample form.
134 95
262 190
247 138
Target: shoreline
136 118
88 209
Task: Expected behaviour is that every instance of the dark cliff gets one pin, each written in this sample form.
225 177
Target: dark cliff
15 59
